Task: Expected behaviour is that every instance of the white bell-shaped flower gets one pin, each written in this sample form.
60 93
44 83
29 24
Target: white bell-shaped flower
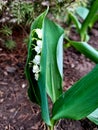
37 49
36 69
36 76
39 43
39 33
36 60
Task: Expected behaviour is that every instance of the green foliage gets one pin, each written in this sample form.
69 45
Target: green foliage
59 8
6 31
6 34
50 78
10 44
89 4
89 17
76 103
85 49
53 73
22 12
14 13
2 5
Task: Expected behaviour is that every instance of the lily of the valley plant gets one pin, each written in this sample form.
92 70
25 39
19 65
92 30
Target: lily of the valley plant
44 71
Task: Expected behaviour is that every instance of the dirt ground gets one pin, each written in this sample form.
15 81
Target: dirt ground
17 112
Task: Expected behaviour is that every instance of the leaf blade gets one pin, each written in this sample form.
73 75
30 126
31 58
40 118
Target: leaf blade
86 49
76 102
53 77
48 66
33 90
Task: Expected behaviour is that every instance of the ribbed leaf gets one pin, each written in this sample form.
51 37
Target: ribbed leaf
80 100
37 90
50 79
49 58
33 90
94 116
86 49
50 76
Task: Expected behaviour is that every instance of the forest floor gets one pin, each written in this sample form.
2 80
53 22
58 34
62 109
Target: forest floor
17 112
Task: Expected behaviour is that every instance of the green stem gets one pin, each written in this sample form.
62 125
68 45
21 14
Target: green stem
89 18
51 128
52 125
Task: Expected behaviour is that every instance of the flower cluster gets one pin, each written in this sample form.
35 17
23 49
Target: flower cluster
37 48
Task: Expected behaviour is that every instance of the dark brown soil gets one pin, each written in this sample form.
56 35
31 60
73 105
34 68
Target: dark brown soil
16 110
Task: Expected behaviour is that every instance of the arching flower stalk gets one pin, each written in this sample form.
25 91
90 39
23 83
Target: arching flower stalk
37 48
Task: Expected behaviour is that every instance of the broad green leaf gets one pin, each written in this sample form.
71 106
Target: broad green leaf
82 12
37 90
89 19
94 116
50 55
86 49
77 103
33 90
50 79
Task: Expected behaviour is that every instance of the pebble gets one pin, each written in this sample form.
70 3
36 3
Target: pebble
72 65
12 110
10 69
1 100
1 94
5 73
1 49
6 128
23 85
